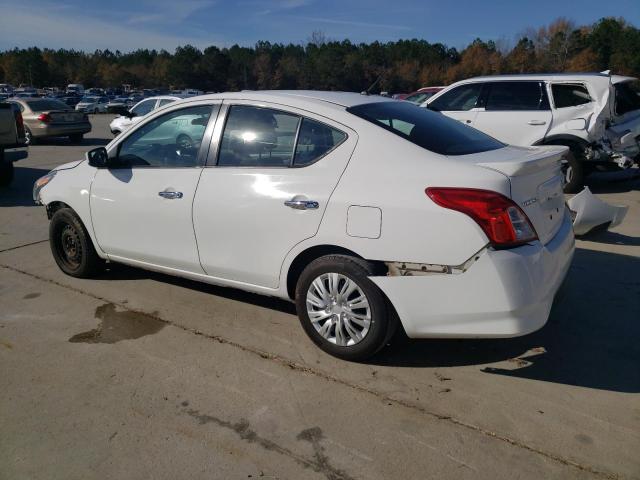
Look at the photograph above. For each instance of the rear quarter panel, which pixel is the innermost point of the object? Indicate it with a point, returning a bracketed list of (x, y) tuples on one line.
[(391, 174)]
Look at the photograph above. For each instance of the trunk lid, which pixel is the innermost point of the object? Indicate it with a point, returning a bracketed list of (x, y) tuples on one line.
[(65, 116), (536, 183)]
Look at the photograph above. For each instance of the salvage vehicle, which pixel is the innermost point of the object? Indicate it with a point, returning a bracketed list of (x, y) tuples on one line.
[(365, 211), (596, 115), (12, 135), (138, 111), (46, 118)]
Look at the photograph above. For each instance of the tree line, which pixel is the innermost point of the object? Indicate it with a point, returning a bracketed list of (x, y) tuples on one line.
[(325, 64)]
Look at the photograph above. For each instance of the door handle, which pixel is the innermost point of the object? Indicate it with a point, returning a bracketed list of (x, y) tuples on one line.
[(170, 194), (536, 122), (302, 204)]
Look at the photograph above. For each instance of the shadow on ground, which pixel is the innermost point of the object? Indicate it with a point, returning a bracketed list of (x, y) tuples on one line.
[(20, 192), (591, 339)]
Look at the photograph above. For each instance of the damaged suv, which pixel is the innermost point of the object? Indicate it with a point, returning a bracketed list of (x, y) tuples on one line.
[(596, 115)]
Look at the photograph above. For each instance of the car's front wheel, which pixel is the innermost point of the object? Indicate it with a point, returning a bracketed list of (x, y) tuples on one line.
[(341, 309), (71, 245)]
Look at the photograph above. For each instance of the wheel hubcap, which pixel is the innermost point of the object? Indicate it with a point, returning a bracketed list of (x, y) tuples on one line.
[(338, 309), (71, 248)]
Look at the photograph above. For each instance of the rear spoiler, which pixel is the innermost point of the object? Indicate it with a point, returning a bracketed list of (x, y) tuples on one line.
[(539, 159)]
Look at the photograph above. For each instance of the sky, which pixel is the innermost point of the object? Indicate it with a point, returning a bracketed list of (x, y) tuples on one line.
[(165, 24)]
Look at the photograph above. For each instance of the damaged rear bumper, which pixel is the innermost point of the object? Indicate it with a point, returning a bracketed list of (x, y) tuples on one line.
[(505, 293)]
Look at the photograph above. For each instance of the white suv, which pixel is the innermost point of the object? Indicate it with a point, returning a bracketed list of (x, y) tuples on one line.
[(139, 111), (596, 115)]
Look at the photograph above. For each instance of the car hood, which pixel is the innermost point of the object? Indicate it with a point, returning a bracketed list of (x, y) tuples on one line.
[(68, 166)]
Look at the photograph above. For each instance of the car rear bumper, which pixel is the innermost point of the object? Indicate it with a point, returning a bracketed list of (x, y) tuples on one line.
[(60, 130), (505, 293)]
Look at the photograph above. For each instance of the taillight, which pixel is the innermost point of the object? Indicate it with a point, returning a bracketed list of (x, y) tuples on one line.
[(44, 117), (500, 218)]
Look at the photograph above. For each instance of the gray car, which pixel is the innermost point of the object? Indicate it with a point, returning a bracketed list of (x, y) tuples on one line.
[(46, 117)]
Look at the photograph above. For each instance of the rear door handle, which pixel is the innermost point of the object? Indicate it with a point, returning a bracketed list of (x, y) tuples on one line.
[(537, 122), (302, 204), (171, 195)]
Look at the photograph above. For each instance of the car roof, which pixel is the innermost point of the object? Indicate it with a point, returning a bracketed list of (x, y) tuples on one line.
[(551, 76), (300, 98)]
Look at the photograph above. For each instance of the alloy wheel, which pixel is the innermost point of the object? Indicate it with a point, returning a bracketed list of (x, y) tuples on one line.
[(338, 309)]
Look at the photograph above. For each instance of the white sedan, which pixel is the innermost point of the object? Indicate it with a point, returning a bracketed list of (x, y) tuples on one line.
[(364, 211), (139, 111), (93, 104)]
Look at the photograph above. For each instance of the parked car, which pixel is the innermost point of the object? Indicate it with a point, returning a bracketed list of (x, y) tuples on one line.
[(75, 89), (119, 105), (420, 96), (138, 112), (45, 118), (596, 115), (92, 104), (12, 135), (288, 194)]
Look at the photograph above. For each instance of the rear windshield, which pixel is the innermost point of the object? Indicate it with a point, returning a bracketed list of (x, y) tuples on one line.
[(43, 105), (627, 97), (427, 129)]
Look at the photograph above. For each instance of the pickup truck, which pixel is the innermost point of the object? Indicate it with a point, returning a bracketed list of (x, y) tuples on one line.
[(12, 135)]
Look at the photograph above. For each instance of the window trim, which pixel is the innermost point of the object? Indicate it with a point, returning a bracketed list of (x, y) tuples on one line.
[(543, 94), (205, 145), (578, 83), (221, 123)]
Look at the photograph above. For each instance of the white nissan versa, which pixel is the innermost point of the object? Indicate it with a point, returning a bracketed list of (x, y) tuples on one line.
[(362, 209)]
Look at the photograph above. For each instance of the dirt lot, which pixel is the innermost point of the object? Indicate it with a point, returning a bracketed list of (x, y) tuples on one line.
[(140, 375)]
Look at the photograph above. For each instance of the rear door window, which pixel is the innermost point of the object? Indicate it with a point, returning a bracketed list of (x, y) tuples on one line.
[(430, 130), (516, 96), (258, 137), (627, 97), (459, 99), (315, 140), (569, 95)]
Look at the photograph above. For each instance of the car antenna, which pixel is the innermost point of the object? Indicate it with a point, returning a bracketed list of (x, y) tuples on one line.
[(368, 90)]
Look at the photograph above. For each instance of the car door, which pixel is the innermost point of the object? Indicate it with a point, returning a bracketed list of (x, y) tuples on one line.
[(461, 103), (266, 185), (515, 112), (141, 207)]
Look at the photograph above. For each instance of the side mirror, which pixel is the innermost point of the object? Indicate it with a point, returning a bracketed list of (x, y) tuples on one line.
[(130, 114), (98, 157)]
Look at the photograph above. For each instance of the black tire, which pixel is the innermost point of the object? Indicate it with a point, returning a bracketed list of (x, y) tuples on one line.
[(574, 173), (6, 172), (356, 270), (72, 247), (76, 138)]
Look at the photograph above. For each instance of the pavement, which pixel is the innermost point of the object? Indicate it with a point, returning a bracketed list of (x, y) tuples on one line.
[(140, 375)]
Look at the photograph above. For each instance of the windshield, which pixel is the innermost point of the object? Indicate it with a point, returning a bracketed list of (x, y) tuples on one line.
[(430, 130), (90, 99), (43, 105), (627, 97)]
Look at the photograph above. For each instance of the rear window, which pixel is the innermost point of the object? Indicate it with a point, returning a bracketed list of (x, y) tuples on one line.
[(427, 129), (44, 105), (569, 95), (627, 97)]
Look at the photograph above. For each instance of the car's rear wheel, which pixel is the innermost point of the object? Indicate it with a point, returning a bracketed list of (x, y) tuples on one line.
[(28, 137), (341, 309), (76, 138), (71, 245), (573, 171)]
